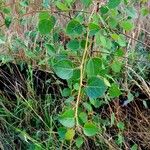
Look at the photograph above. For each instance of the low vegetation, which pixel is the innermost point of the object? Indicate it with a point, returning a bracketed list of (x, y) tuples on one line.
[(74, 74)]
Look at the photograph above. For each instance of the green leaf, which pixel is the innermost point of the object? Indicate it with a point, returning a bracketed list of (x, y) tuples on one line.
[(66, 92), (61, 132), (120, 139), (114, 90), (112, 22), (50, 50), (113, 3), (79, 141), (121, 40), (134, 147), (103, 41), (130, 97), (6, 10), (119, 52), (83, 43), (24, 3), (73, 45), (87, 106), (94, 28), (145, 11), (104, 10), (86, 3), (107, 82), (76, 86), (95, 87), (116, 66), (64, 69), (44, 15), (69, 2), (115, 36), (120, 125), (90, 129), (46, 3), (46, 25), (70, 134), (69, 100), (8, 21), (74, 28), (2, 42), (93, 67), (83, 116), (67, 118), (76, 75), (132, 12), (127, 25), (35, 147), (61, 6), (95, 102)]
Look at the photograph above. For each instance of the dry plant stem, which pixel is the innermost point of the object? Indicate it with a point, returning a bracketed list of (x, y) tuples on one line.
[(82, 73), (144, 85), (93, 37)]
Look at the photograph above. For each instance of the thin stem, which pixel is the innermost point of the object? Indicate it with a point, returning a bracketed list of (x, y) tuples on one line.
[(82, 74)]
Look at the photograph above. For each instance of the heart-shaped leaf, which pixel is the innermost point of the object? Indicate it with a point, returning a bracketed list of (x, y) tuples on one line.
[(93, 67), (46, 25), (74, 28), (127, 25), (90, 129), (67, 118), (64, 69), (69, 134), (95, 87), (113, 3)]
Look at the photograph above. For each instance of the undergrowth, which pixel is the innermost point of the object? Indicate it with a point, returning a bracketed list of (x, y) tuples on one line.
[(74, 75)]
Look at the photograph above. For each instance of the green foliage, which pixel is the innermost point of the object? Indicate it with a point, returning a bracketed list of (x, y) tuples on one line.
[(46, 23), (94, 28), (113, 3), (86, 3), (120, 139), (104, 9), (114, 90), (61, 6), (90, 129), (95, 87), (67, 118), (116, 66), (88, 54), (70, 134), (132, 12), (61, 132), (73, 45), (134, 147), (83, 116), (66, 92), (93, 67), (74, 28), (127, 25), (50, 50), (79, 142), (64, 69), (145, 11), (120, 125), (8, 21)]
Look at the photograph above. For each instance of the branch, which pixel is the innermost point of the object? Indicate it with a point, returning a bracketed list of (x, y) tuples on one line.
[(93, 37), (135, 40)]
